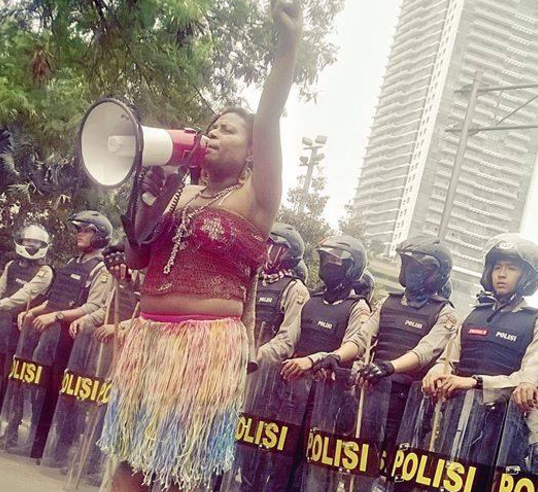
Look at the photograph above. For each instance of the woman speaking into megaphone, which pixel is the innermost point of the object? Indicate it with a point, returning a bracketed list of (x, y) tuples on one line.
[(180, 379)]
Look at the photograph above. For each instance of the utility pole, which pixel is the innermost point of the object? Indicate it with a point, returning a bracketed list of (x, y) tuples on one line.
[(467, 130), (460, 156), (310, 162)]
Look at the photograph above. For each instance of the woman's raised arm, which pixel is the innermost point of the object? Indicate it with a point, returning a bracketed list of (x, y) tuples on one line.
[(267, 154)]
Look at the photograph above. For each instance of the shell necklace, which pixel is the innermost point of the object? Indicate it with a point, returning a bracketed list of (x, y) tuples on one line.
[(184, 230)]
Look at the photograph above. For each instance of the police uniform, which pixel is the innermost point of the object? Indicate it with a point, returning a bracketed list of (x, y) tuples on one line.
[(400, 328), (278, 312), (21, 281), (324, 327), (503, 351), (83, 283)]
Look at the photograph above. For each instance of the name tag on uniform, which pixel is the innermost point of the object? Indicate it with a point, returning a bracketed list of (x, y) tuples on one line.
[(482, 332), (75, 276)]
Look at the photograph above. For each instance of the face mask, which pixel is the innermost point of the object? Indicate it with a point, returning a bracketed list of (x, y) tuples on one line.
[(332, 275)]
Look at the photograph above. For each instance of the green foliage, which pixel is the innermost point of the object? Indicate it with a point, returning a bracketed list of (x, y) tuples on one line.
[(311, 224), (177, 62)]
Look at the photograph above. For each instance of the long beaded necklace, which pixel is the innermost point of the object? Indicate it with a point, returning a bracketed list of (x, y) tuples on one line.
[(184, 228)]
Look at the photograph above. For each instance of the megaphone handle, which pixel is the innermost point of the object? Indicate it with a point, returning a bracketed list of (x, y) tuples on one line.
[(148, 198)]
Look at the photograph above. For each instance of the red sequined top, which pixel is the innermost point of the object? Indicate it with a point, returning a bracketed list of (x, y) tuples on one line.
[(220, 255)]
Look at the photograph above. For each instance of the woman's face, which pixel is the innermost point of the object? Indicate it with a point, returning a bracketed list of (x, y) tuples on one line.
[(228, 145)]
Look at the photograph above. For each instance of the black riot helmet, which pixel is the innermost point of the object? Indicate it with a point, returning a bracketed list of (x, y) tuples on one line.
[(351, 255), (516, 247), (446, 290), (98, 222), (364, 287), (301, 270), (286, 247), (430, 254)]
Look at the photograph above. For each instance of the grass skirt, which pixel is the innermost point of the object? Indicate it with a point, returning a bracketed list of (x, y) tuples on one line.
[(177, 392)]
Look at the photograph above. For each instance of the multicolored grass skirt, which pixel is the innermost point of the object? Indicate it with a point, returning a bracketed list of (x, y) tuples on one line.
[(177, 393)]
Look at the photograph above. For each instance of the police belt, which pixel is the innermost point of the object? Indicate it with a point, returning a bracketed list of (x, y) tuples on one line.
[(29, 372), (85, 387), (269, 435), (343, 454), (432, 471)]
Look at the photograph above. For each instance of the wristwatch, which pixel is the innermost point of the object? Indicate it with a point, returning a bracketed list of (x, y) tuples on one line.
[(59, 316), (479, 382)]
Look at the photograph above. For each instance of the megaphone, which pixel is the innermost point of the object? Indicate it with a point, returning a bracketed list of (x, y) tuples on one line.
[(113, 143)]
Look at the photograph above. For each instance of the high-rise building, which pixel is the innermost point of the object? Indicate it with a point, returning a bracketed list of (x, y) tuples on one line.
[(438, 48)]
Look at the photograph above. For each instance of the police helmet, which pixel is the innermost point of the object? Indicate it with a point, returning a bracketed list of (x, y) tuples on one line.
[(446, 290), (301, 270), (287, 235), (364, 287), (516, 247), (32, 242), (429, 252), (98, 222), (348, 249)]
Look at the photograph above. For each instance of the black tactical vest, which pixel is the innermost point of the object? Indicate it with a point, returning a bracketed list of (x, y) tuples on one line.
[(269, 313), (401, 328), (496, 347), (323, 325), (19, 273), (71, 284)]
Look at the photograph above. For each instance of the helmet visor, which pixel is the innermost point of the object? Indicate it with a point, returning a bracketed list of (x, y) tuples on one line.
[(275, 255), (335, 256)]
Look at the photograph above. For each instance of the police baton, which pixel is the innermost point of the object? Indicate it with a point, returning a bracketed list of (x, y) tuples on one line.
[(440, 401)]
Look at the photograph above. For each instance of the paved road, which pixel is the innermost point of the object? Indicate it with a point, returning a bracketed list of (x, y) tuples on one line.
[(23, 475)]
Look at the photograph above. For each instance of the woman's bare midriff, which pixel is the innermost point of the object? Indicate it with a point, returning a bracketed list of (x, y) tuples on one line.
[(180, 305)]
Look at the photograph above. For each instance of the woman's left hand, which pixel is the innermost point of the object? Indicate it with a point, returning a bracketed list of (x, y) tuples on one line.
[(288, 18), (295, 368)]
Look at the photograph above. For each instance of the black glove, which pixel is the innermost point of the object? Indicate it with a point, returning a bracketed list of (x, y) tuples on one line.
[(114, 255), (374, 372), (330, 363)]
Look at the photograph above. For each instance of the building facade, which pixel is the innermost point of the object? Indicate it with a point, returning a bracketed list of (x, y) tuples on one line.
[(438, 48)]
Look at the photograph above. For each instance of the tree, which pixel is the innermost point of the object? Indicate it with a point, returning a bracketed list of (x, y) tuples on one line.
[(311, 224), (176, 62)]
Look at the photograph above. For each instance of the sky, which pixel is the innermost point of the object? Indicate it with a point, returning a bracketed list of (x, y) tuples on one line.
[(347, 95)]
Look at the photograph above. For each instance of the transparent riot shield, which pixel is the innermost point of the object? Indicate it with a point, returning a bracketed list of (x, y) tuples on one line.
[(448, 445), (268, 433), (7, 335), (517, 460), (22, 419), (80, 409), (345, 438)]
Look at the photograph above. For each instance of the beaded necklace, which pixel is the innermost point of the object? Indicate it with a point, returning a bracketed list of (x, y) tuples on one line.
[(184, 228)]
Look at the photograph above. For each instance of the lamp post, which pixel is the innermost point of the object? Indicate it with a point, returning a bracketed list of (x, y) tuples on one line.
[(310, 162)]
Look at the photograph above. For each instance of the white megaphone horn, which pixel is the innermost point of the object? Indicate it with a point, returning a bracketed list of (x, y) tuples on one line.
[(113, 143)]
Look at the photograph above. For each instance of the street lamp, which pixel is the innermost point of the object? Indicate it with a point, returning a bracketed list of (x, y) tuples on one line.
[(310, 161)]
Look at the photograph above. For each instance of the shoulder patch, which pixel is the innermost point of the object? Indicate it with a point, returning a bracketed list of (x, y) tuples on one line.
[(450, 322), (300, 299)]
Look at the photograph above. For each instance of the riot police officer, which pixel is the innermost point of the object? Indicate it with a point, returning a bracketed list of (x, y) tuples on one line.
[(412, 327), (329, 320), (23, 283), (497, 344), (28, 276), (280, 295), (80, 288)]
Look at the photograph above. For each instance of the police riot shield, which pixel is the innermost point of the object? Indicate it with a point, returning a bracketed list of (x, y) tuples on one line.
[(268, 432), (448, 445), (29, 381), (8, 334), (80, 409), (517, 460), (343, 451), (81, 406)]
